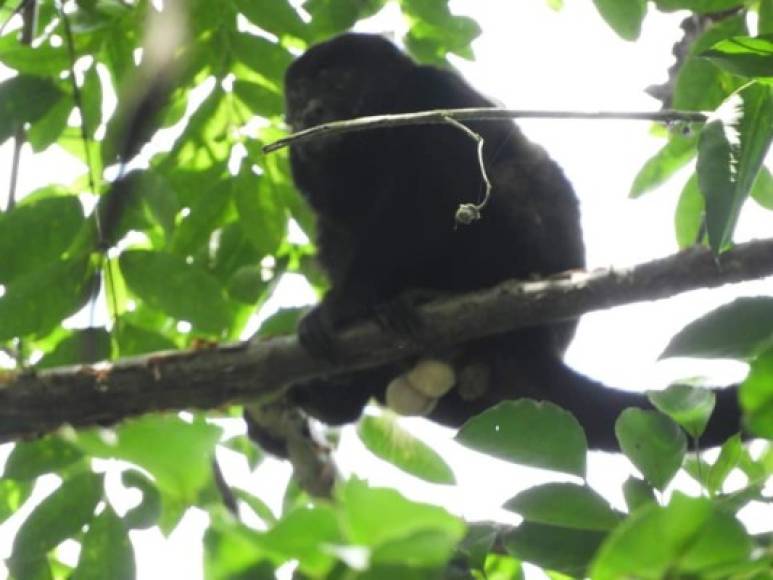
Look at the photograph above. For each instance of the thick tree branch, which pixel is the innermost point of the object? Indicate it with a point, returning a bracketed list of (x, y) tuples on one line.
[(35, 403), (441, 116)]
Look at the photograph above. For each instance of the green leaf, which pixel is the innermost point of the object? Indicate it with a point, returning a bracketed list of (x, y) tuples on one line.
[(624, 16), (261, 213), (247, 285), (106, 551), (756, 133), (674, 155), (384, 437), (738, 330), (59, 516), (564, 549), (680, 540), (689, 406), (48, 128), (30, 459), (85, 346), (653, 442), (689, 215), (744, 55), (281, 323), (762, 190), (25, 99), (43, 60), (169, 283), (756, 395), (13, 494), (538, 434), (477, 544), (699, 6), (263, 56), (37, 233), (205, 215), (565, 505), (306, 535), (232, 552), (729, 456), (276, 16), (701, 85), (716, 183), (637, 493), (374, 517), (180, 467), (146, 513), (257, 505), (259, 99), (36, 302), (133, 340), (329, 17), (91, 99)]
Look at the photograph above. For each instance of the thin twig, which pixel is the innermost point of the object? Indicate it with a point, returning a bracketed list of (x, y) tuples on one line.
[(441, 116), (467, 213), (29, 8)]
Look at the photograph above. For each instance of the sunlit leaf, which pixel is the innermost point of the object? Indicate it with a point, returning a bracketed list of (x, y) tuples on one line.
[(106, 551), (674, 155), (384, 437), (689, 215), (30, 459), (728, 459), (744, 55), (689, 406), (756, 395), (637, 493)]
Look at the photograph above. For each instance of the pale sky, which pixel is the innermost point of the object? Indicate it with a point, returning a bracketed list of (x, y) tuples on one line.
[(528, 57)]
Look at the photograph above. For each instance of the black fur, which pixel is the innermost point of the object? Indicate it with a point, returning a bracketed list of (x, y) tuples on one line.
[(385, 201)]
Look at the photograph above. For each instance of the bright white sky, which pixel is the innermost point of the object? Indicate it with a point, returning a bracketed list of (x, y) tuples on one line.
[(528, 57)]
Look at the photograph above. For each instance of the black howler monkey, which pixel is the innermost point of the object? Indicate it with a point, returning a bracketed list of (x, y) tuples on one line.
[(385, 201)]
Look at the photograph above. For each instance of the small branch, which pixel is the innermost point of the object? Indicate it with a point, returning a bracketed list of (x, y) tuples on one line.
[(442, 116), (33, 403), (467, 213)]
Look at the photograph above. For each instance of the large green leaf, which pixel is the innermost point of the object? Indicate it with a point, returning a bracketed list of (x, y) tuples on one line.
[(728, 459), (387, 440), (700, 6), (263, 56), (687, 537), (275, 16), (13, 494), (30, 459), (91, 101), (43, 60), (204, 216), (47, 129), (181, 466), (106, 551), (690, 214), (182, 290), (329, 17), (701, 85), (37, 301), (738, 330), (638, 493), (24, 99), (566, 505), (58, 517), (756, 395), (674, 155), (88, 345), (35, 234), (259, 99), (261, 213), (744, 55), (390, 525), (715, 180), (624, 16), (566, 550), (232, 551), (653, 442), (538, 434)]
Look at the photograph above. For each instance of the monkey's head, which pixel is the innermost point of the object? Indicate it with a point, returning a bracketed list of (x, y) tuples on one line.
[(352, 75)]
